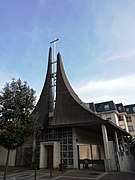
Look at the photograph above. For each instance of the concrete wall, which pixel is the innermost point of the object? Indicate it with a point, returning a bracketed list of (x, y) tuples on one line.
[(3, 156), (56, 154), (126, 161), (112, 116), (85, 136), (43, 156), (112, 156)]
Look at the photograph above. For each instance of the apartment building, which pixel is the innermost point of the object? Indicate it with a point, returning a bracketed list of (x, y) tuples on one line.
[(122, 116), (130, 116)]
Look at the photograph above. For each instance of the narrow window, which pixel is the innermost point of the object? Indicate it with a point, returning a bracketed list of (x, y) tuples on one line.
[(106, 107), (129, 119), (119, 108), (133, 109), (130, 128)]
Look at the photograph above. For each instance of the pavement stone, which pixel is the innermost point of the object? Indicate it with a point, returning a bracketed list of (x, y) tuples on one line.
[(119, 176), (68, 174)]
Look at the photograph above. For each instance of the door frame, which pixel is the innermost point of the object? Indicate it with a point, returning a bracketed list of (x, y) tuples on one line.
[(49, 156), (43, 154)]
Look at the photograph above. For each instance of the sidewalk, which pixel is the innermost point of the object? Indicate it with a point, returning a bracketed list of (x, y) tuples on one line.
[(119, 176), (84, 174)]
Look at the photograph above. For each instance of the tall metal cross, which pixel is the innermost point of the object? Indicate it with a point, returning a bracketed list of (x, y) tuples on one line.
[(54, 47), (54, 70)]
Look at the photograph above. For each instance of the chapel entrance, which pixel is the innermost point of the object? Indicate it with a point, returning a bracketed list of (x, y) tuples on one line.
[(49, 156)]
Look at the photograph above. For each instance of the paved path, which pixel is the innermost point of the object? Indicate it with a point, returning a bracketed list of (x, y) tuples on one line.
[(28, 174), (119, 176)]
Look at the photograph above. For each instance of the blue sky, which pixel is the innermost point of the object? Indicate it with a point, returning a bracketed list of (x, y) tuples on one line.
[(97, 43)]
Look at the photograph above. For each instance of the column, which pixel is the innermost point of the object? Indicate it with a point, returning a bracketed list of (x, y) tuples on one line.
[(116, 140), (123, 143), (106, 149), (117, 150), (125, 121)]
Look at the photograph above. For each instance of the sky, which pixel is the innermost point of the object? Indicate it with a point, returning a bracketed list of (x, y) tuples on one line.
[(96, 41)]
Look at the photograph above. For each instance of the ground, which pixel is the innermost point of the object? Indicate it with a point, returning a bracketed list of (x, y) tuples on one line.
[(85, 174)]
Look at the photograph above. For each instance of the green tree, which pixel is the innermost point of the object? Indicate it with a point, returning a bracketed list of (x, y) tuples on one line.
[(131, 143), (17, 101)]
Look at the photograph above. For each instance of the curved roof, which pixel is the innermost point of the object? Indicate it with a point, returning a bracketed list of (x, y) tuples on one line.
[(69, 109), (42, 107)]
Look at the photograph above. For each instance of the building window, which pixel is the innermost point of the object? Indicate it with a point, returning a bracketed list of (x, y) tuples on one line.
[(106, 107), (129, 119), (108, 118), (134, 109), (130, 128), (120, 118), (127, 109), (119, 108), (99, 107)]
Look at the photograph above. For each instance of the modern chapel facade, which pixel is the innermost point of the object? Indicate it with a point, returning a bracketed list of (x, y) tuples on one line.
[(71, 133)]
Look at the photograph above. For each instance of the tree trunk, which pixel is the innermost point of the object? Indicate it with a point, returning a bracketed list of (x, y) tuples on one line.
[(34, 149), (6, 167)]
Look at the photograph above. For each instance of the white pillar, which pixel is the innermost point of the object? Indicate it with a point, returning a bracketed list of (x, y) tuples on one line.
[(116, 140), (125, 121), (75, 151), (106, 149), (117, 147), (43, 156), (123, 143)]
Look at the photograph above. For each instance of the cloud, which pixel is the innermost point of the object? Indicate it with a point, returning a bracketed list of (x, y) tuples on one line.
[(122, 56), (118, 89)]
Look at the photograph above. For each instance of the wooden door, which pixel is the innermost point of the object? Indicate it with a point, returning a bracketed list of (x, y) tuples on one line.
[(50, 156)]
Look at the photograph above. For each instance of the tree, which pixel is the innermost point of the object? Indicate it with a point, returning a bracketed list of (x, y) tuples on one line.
[(131, 143), (17, 101)]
